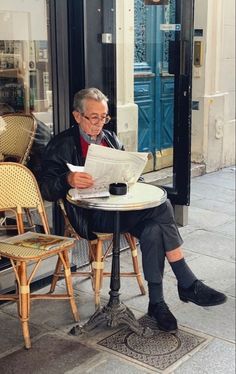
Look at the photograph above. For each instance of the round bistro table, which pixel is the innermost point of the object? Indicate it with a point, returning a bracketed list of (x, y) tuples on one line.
[(139, 196)]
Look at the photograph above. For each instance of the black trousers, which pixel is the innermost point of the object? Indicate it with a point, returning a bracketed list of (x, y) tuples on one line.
[(155, 228)]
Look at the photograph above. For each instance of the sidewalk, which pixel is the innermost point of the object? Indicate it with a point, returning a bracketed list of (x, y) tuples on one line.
[(205, 343)]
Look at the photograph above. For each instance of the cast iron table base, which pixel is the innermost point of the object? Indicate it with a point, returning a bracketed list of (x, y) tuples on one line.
[(114, 313)]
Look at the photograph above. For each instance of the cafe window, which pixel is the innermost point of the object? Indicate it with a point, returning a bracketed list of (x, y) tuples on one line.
[(25, 66)]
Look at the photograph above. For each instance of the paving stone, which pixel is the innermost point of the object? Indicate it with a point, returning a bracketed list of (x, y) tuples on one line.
[(205, 218), (227, 228), (214, 206), (225, 177), (218, 357), (186, 230), (211, 243), (109, 364), (11, 332), (212, 192), (50, 354), (218, 321), (230, 291)]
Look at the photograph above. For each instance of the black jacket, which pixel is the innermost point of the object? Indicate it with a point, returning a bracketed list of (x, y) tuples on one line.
[(63, 148)]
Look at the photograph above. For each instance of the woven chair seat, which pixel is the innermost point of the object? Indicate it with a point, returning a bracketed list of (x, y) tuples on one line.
[(19, 253)]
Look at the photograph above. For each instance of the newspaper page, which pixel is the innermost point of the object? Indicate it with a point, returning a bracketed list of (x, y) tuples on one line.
[(39, 241), (108, 165)]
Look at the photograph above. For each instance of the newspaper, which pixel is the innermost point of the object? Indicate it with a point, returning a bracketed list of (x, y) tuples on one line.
[(39, 241), (108, 165)]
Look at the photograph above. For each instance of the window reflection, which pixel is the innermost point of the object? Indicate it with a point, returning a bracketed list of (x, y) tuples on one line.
[(25, 73)]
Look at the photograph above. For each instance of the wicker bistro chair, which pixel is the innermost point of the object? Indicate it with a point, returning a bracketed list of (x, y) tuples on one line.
[(19, 190), (17, 133), (97, 259)]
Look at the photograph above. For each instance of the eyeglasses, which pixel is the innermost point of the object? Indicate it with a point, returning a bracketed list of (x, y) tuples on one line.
[(94, 120)]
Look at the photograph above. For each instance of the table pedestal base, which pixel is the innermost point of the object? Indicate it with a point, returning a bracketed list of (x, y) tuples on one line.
[(114, 315), (115, 312)]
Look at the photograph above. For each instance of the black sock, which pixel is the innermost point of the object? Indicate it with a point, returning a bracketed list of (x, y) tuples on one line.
[(155, 292), (183, 273)]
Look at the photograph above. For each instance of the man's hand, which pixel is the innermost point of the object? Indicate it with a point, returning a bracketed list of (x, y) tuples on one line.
[(79, 180)]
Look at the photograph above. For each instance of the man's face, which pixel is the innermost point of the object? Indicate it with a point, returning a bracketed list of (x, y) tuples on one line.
[(94, 116)]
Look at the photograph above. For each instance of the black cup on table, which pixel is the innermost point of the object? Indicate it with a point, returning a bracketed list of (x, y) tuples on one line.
[(118, 188)]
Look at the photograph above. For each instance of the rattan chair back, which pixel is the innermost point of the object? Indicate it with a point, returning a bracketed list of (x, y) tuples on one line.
[(17, 132), (18, 191)]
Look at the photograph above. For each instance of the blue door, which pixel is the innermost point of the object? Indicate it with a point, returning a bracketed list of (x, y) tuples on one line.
[(153, 82)]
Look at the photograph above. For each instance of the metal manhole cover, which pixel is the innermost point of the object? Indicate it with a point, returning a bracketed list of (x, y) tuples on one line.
[(159, 351)]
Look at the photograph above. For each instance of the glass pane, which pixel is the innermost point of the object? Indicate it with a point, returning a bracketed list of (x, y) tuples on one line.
[(25, 71), (154, 82)]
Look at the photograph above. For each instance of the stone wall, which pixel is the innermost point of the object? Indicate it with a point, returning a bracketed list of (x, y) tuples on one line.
[(213, 124), (127, 110)]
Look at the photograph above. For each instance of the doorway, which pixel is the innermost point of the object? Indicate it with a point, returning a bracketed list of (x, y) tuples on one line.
[(155, 29), (162, 88)]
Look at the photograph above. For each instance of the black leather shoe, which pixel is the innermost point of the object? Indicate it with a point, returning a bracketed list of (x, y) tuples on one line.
[(201, 294), (162, 314)]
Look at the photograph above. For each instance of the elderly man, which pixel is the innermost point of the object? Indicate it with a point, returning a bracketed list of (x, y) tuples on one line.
[(155, 228)]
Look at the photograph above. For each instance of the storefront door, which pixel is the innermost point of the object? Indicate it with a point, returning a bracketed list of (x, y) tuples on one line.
[(153, 83), (162, 88)]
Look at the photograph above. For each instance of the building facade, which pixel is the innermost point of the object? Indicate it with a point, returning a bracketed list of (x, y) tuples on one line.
[(169, 76), (26, 70), (213, 121), (213, 82)]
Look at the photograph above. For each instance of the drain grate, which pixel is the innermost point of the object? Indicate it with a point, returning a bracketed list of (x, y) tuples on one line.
[(160, 351)]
